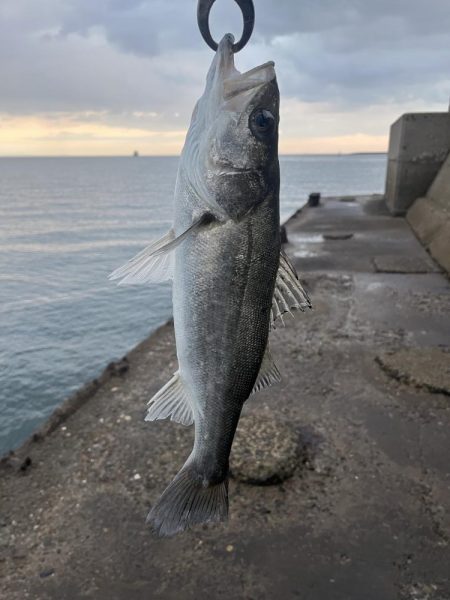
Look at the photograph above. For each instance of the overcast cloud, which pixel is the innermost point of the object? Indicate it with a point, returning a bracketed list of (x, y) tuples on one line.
[(344, 66)]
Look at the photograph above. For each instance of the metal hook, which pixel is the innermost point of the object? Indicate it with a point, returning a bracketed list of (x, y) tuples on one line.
[(248, 14)]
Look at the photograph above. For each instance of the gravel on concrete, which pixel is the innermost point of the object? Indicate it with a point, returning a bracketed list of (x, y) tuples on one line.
[(265, 450), (365, 515)]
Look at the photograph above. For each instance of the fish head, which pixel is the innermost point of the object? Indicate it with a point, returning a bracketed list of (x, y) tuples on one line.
[(232, 143)]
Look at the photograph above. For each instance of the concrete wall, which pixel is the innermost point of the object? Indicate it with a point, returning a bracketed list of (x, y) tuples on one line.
[(418, 146), (429, 217)]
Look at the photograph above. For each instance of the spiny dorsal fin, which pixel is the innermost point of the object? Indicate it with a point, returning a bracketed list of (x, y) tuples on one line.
[(171, 401), (268, 373), (289, 294)]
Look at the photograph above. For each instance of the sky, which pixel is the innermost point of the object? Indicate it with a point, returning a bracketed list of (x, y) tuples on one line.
[(107, 77)]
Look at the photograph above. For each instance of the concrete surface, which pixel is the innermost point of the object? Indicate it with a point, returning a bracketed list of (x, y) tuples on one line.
[(365, 515), (418, 145), (404, 264), (430, 217), (423, 367)]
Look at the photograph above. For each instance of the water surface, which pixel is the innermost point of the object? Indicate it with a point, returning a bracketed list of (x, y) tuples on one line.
[(65, 223)]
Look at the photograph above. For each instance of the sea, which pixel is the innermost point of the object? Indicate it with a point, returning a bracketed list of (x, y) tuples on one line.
[(65, 224)]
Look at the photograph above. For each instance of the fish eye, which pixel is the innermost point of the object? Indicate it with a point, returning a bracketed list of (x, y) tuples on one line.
[(261, 122)]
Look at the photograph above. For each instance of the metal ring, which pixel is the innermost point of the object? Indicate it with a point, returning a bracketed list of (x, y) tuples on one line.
[(248, 14)]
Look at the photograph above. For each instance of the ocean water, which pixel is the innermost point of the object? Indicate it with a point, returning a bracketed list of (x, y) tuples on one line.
[(65, 223)]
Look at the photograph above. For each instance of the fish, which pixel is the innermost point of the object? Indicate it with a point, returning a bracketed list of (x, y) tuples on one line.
[(232, 282)]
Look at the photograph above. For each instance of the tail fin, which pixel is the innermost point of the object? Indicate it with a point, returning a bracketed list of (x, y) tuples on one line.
[(188, 501)]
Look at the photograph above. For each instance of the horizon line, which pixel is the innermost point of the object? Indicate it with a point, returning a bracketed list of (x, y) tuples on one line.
[(287, 154)]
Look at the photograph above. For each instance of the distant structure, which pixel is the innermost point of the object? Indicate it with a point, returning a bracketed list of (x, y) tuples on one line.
[(135, 154)]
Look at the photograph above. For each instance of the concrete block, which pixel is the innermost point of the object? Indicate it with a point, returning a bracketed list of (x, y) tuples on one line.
[(418, 145), (439, 191), (425, 219), (429, 217), (440, 246)]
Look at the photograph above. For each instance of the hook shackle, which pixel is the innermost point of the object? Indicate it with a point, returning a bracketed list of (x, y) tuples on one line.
[(248, 15)]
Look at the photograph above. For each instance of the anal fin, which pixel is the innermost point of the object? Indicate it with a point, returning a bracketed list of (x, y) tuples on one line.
[(268, 373), (171, 401)]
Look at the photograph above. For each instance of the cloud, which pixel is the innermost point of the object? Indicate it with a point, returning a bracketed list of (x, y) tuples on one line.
[(115, 59)]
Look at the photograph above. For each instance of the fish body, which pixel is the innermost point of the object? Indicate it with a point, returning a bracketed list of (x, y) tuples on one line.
[(222, 297), (229, 283)]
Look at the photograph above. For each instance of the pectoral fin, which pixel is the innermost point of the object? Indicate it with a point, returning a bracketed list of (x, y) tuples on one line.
[(149, 266), (155, 263), (289, 293), (171, 401)]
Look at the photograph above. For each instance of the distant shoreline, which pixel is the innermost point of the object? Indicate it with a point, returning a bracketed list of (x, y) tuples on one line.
[(130, 156)]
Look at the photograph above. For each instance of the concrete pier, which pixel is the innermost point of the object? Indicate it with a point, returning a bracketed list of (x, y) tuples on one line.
[(363, 515)]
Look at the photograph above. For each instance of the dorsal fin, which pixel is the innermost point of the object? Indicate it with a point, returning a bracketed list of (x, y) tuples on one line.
[(289, 293)]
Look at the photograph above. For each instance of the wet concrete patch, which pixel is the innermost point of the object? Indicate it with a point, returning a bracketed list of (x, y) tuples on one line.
[(389, 263), (423, 367), (407, 308), (307, 245), (376, 206)]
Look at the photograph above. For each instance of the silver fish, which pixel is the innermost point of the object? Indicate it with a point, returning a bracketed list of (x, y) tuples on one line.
[(230, 280)]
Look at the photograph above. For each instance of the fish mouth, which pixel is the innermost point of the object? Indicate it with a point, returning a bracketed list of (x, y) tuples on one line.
[(237, 171), (240, 83), (228, 169)]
